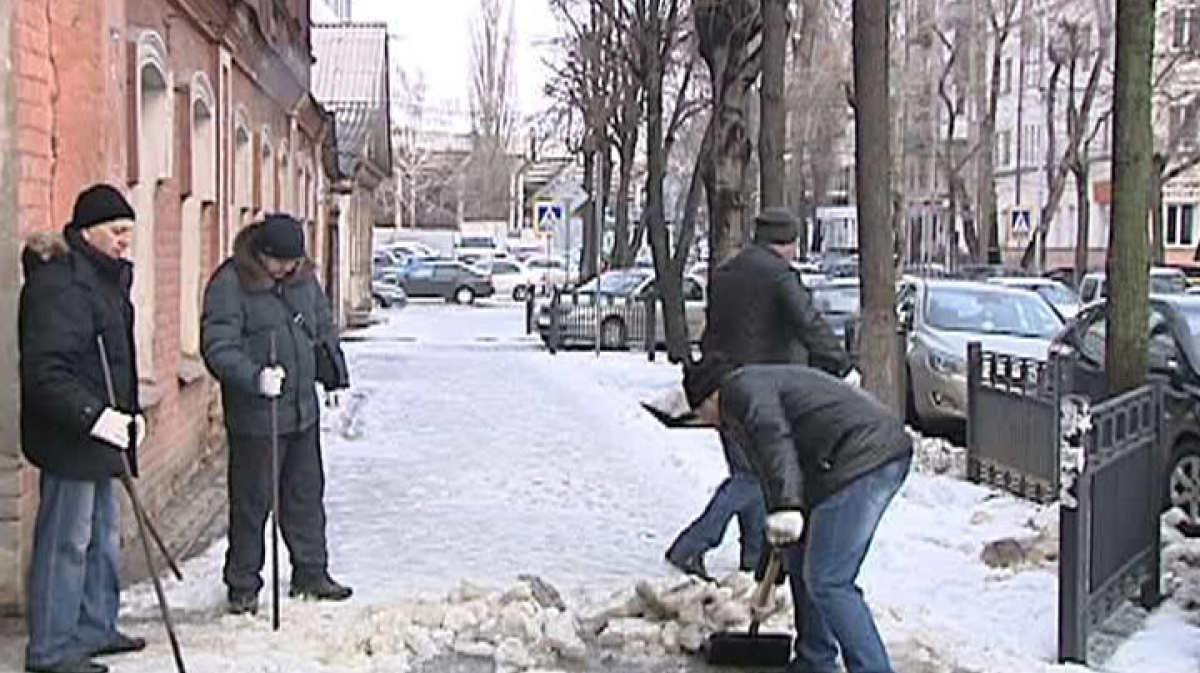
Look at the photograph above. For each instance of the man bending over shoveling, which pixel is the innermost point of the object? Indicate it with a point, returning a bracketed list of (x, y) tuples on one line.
[(829, 455)]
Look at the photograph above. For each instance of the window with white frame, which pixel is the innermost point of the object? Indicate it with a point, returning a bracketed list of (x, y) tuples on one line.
[(1006, 76), (1004, 148), (1185, 29), (1180, 225), (193, 235)]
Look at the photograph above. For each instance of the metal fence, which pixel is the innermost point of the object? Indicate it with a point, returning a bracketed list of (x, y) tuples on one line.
[(587, 320), (1110, 543), (1013, 424)]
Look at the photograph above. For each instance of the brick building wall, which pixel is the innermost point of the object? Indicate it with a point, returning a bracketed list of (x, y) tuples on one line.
[(143, 94)]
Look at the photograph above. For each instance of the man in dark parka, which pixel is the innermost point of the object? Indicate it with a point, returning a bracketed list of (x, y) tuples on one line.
[(268, 291), (77, 289)]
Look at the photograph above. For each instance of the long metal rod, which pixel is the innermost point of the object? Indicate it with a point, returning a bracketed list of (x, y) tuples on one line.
[(139, 514), (275, 619)]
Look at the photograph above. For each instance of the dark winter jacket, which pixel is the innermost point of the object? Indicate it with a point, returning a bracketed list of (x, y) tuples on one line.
[(243, 307), (72, 294), (806, 433), (759, 312)]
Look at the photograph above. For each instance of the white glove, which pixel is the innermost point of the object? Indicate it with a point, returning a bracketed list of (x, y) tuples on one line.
[(785, 527), (270, 381), (112, 427), (333, 399), (853, 378)]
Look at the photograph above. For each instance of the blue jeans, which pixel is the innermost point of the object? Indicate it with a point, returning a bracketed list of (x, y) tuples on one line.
[(739, 495), (831, 613), (74, 592)]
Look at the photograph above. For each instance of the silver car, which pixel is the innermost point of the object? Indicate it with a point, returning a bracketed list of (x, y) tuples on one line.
[(1061, 297), (943, 316)]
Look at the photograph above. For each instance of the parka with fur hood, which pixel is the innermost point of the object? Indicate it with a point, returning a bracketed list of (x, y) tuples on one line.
[(73, 293), (243, 307)]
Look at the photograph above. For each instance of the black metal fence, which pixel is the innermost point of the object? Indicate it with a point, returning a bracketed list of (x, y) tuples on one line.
[(1028, 434), (587, 320), (1110, 544), (1013, 424)]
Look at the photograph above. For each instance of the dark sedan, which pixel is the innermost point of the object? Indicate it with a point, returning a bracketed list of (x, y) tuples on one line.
[(452, 281), (838, 301), (1174, 359)]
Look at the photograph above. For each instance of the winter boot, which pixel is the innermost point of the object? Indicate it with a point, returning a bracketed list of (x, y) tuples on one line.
[(243, 603), (122, 644), (321, 588), (74, 666), (693, 566)]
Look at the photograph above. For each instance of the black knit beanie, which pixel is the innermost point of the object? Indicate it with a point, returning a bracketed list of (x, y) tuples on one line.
[(776, 226), (280, 236), (702, 379), (100, 204)]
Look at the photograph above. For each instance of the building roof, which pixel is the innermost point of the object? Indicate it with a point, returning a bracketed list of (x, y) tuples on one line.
[(351, 61)]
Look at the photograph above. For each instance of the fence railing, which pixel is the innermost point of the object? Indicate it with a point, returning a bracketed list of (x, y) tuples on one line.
[(1110, 544), (1013, 423)]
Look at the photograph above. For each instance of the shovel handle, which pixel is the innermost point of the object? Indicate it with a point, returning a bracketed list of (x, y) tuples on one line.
[(766, 588)]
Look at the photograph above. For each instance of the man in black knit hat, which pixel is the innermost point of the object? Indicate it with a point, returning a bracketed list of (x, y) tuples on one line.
[(77, 289), (758, 313), (268, 289)]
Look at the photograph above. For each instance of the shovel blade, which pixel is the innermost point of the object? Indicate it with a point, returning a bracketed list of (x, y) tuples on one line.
[(766, 650)]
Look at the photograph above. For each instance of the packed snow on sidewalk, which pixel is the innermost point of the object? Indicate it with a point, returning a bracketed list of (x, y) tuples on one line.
[(960, 578)]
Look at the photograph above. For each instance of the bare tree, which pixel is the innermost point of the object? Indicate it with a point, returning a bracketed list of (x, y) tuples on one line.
[(1176, 151), (1133, 149), (873, 172), (772, 130), (727, 32), (1001, 21), (493, 110), (954, 157)]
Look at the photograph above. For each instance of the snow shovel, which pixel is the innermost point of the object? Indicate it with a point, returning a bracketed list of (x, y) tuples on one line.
[(767, 650), (139, 514), (275, 467)]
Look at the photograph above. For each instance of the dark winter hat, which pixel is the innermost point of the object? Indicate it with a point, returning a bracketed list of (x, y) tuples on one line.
[(281, 236), (100, 204), (776, 226), (702, 379)]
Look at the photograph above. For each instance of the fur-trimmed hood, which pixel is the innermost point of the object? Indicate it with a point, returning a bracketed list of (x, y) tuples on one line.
[(42, 248), (249, 267)]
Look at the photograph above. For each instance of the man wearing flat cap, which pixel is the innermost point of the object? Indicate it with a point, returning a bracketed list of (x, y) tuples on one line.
[(830, 458), (77, 289), (759, 312), (267, 291)]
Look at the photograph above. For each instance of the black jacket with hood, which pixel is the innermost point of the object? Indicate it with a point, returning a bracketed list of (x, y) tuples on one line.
[(72, 294), (807, 434), (759, 312), (243, 307)]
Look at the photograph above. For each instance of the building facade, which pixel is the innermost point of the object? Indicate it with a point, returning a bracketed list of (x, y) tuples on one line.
[(201, 111)]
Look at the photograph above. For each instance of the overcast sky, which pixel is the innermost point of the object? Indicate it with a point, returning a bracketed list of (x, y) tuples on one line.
[(434, 36)]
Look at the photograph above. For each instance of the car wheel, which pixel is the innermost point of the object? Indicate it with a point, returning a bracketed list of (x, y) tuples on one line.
[(464, 295), (519, 293), (612, 334), (1183, 484), (379, 302)]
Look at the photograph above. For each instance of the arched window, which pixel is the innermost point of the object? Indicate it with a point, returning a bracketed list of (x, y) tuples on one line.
[(197, 211), (154, 141), (243, 170)]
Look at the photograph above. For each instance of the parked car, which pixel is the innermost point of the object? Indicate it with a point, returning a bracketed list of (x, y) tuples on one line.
[(943, 316), (1059, 296), (548, 272), (1173, 359), (510, 278), (838, 300), (1163, 280), (621, 300), (387, 291), (450, 280)]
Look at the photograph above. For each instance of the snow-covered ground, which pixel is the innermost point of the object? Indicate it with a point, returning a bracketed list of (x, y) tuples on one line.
[(469, 453)]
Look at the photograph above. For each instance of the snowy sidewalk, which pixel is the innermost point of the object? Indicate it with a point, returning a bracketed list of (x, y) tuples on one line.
[(470, 453)]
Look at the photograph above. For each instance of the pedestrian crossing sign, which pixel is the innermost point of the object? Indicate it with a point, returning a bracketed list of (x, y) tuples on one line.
[(1022, 220), (549, 216)]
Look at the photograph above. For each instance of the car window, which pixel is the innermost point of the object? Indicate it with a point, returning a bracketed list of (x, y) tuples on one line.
[(836, 299), (1162, 346), (1168, 283), (1056, 293), (1088, 290), (505, 267), (446, 271), (972, 310), (1091, 342), (424, 272)]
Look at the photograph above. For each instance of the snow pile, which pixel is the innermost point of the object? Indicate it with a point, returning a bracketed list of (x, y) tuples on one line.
[(1181, 566), (934, 455), (526, 625)]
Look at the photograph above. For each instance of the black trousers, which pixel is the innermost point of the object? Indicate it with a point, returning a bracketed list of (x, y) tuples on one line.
[(301, 504)]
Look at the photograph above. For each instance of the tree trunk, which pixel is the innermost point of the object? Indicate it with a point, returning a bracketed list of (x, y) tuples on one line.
[(1158, 248), (876, 238), (985, 220), (668, 281), (606, 174), (1133, 144), (772, 125), (587, 257), (623, 254), (1083, 221)]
